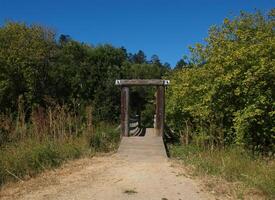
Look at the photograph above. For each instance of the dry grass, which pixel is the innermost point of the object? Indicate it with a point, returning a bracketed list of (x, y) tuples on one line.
[(48, 138), (57, 122), (232, 172)]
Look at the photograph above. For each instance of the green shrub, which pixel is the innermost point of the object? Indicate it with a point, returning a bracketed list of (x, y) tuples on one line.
[(105, 138), (227, 95)]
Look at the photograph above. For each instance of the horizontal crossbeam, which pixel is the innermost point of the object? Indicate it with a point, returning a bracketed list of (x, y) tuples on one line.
[(141, 82)]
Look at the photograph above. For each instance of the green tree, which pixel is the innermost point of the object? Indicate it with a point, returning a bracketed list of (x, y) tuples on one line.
[(180, 64), (42, 69), (26, 55), (229, 95), (138, 57)]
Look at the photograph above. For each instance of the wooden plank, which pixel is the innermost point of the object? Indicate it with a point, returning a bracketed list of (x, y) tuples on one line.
[(141, 82), (149, 147)]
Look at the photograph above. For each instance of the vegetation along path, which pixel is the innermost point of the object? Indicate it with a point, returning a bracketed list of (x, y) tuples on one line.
[(139, 170)]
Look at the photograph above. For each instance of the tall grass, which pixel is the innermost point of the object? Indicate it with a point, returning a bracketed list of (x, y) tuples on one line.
[(234, 164), (57, 123), (104, 138), (29, 157), (47, 138)]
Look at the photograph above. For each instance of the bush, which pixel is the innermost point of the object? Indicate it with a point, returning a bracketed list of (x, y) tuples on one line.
[(227, 94), (105, 138)]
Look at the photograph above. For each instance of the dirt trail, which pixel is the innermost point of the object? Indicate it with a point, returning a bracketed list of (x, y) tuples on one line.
[(108, 178), (114, 177)]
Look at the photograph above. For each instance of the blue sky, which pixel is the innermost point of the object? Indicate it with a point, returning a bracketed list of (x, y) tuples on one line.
[(164, 27)]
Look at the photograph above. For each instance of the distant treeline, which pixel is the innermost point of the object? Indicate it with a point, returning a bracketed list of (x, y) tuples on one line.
[(42, 70)]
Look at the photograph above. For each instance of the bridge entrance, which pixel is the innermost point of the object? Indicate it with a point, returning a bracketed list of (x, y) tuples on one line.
[(125, 99)]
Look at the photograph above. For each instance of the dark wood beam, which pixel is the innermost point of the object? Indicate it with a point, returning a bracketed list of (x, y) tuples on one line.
[(141, 82), (125, 111), (160, 108)]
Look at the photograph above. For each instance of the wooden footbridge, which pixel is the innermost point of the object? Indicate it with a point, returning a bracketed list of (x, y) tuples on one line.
[(138, 144), (147, 148)]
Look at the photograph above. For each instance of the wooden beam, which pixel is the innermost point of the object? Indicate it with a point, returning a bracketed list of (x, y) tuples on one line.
[(160, 107), (141, 82), (124, 111)]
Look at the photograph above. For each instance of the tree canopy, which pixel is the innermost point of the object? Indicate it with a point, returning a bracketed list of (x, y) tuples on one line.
[(228, 96), (39, 67)]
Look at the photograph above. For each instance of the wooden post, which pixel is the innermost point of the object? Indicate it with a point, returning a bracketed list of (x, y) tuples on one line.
[(124, 111), (125, 84), (160, 110)]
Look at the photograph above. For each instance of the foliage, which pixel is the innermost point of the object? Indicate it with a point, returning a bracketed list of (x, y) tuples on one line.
[(181, 64), (26, 55), (104, 138), (228, 94), (234, 164), (37, 67)]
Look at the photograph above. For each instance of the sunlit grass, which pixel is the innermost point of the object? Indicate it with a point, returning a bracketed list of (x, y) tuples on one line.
[(48, 139), (232, 164)]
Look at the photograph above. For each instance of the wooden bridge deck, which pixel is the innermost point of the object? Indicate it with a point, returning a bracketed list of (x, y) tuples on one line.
[(147, 148)]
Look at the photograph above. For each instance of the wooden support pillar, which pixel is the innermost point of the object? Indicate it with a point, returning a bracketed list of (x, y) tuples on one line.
[(124, 111), (160, 110)]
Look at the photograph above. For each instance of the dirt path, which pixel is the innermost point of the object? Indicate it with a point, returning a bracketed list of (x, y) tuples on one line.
[(106, 178), (140, 174)]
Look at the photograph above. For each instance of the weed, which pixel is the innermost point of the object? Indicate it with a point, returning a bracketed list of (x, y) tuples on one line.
[(105, 138)]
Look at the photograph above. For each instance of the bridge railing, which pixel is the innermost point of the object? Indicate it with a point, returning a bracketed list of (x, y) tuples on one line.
[(134, 126)]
